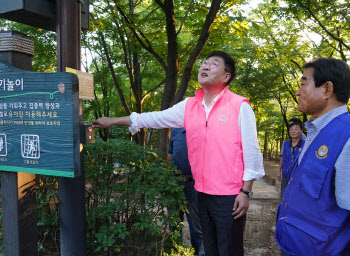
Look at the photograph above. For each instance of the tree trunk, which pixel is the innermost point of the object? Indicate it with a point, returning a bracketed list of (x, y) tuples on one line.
[(141, 137), (265, 144), (171, 66), (169, 97), (163, 139)]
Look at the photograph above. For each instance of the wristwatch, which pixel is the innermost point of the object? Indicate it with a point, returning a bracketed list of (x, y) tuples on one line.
[(249, 194)]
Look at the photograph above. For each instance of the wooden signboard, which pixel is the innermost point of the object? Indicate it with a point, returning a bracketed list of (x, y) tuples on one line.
[(39, 122), (86, 84)]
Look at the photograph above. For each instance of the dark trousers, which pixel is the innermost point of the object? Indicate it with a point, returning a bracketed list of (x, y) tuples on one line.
[(191, 195), (283, 253), (284, 183), (222, 234)]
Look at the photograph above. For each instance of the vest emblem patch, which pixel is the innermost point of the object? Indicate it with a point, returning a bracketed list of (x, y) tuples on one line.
[(223, 118), (322, 152)]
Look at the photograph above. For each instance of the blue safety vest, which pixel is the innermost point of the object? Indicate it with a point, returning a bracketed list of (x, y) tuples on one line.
[(288, 159), (309, 221)]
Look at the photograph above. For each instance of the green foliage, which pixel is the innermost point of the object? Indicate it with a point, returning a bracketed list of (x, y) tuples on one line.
[(126, 210), (127, 205), (44, 59), (47, 213), (180, 250)]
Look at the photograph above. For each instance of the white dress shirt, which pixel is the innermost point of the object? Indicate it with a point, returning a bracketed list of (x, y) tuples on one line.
[(174, 117)]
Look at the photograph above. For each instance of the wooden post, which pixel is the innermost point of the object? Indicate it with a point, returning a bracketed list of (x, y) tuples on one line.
[(71, 191), (18, 189)]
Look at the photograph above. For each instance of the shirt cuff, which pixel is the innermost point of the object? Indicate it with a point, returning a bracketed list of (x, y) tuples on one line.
[(253, 175), (133, 128)]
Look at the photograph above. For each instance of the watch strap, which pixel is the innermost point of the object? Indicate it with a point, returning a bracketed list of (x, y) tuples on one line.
[(249, 194)]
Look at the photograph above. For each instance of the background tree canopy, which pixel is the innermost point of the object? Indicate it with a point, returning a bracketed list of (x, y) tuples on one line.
[(145, 55)]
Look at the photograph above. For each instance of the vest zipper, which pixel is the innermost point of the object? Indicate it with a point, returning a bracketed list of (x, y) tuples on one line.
[(205, 151), (206, 132), (290, 180)]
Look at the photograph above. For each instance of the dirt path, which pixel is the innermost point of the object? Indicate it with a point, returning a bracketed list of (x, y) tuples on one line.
[(260, 229)]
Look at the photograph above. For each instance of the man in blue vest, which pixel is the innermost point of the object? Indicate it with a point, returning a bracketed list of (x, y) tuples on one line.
[(290, 152), (297, 120), (178, 154), (313, 218)]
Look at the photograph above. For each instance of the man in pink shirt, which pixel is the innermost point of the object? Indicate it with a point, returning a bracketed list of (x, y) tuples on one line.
[(223, 151)]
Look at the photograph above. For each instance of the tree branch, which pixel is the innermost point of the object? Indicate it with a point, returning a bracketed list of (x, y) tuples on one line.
[(203, 38), (322, 26), (115, 80), (147, 47), (153, 89), (184, 19), (297, 64)]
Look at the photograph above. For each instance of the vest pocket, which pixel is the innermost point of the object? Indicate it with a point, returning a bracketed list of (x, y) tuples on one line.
[(302, 236), (192, 142), (312, 178)]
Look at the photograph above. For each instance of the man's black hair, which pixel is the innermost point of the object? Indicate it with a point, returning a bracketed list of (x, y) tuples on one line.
[(335, 71), (295, 120), (230, 63)]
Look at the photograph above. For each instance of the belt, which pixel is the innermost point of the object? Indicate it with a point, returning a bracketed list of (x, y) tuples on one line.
[(189, 178)]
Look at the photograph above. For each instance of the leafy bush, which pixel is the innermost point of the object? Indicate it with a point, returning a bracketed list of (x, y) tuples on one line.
[(126, 203), (129, 189), (47, 213), (180, 250)]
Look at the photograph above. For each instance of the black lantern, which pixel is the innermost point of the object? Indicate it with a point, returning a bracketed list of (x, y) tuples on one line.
[(39, 13)]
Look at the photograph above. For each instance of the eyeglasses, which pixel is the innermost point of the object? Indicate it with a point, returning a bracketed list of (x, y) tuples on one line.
[(211, 64)]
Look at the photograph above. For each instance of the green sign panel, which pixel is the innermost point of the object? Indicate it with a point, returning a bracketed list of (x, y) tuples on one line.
[(39, 122)]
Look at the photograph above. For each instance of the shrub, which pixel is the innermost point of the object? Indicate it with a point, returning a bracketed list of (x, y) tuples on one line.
[(126, 203), (47, 213), (129, 189)]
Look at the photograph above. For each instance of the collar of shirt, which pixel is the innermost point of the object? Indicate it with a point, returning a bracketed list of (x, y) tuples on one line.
[(207, 109), (315, 126), (322, 121), (298, 145)]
